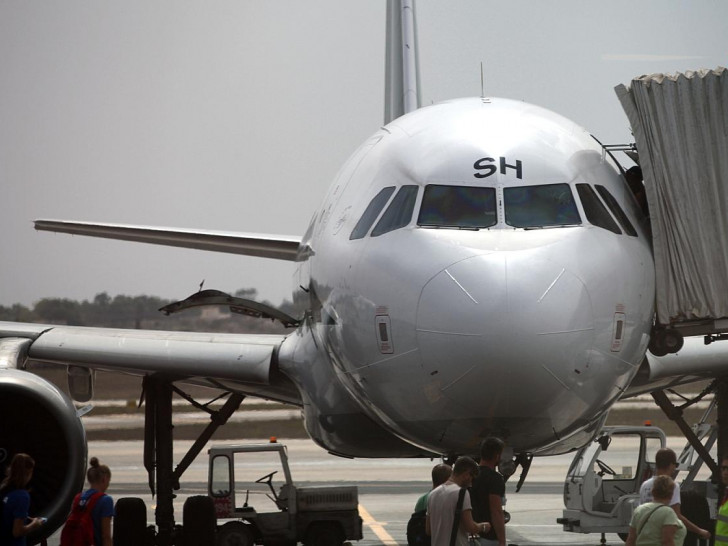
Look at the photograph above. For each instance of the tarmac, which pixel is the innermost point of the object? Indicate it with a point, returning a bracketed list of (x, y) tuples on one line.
[(388, 489)]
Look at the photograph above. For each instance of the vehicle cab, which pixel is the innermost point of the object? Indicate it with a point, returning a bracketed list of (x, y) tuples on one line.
[(603, 482), (257, 502)]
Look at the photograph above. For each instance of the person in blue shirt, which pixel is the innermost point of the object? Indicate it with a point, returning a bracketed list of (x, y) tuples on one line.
[(99, 477), (15, 522)]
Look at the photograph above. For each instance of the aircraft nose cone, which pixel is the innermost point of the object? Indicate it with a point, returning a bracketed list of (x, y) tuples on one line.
[(516, 323)]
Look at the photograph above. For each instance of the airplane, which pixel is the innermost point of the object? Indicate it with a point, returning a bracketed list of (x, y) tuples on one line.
[(478, 266)]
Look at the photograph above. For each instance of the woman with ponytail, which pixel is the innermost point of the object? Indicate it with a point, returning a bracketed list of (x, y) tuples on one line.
[(95, 501)]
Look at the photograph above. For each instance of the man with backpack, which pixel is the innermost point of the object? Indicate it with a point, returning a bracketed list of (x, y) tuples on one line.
[(416, 533)]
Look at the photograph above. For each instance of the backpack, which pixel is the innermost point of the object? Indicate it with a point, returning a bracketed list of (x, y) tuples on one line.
[(416, 535), (79, 527)]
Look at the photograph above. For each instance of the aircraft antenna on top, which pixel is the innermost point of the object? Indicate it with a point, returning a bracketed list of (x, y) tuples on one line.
[(482, 81)]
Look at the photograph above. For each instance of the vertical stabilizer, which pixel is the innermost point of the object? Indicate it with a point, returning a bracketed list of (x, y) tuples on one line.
[(402, 78)]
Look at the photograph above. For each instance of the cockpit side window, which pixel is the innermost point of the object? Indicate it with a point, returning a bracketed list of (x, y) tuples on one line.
[(595, 211), (373, 209), (540, 206), (466, 207), (619, 214), (399, 211)]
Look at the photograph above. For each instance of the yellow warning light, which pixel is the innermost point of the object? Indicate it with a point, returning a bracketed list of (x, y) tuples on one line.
[(273, 439)]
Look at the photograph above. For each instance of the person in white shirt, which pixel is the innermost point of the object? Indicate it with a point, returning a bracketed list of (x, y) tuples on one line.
[(442, 503), (666, 465)]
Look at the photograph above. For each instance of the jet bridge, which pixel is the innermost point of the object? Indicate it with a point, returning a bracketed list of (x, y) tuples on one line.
[(680, 124)]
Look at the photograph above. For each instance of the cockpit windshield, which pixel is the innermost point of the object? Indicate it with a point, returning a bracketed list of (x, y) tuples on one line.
[(540, 206), (464, 207)]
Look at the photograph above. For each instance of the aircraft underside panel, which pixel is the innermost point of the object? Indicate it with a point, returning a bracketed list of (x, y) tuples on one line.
[(680, 123)]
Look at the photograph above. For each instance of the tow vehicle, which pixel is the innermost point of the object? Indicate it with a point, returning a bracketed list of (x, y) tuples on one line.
[(602, 486), (257, 504)]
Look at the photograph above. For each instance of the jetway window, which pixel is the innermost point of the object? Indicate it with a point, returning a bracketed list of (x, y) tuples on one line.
[(540, 206), (595, 211), (373, 209), (619, 214), (458, 207), (399, 212)]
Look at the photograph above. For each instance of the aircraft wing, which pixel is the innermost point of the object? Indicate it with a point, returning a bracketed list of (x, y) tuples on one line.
[(694, 362), (279, 247), (241, 362)]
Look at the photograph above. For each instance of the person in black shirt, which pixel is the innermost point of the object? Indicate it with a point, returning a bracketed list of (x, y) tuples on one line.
[(488, 491)]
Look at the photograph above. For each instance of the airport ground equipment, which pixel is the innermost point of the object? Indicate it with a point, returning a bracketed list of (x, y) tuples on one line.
[(602, 485), (246, 479)]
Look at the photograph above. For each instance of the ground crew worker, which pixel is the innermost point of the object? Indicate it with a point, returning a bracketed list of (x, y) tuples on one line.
[(721, 525)]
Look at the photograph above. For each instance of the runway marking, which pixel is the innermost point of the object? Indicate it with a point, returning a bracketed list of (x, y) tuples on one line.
[(376, 527)]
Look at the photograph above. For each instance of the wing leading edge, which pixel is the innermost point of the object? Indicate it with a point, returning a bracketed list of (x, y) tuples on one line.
[(279, 247), (243, 362)]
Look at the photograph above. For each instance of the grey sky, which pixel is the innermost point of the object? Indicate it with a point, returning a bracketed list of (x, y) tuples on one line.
[(236, 115)]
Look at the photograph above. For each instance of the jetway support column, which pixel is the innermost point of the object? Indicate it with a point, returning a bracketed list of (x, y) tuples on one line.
[(675, 414), (722, 423)]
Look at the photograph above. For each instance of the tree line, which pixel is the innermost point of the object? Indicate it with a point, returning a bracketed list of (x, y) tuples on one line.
[(140, 312)]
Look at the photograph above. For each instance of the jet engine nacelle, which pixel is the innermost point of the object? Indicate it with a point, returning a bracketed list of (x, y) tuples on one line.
[(38, 419)]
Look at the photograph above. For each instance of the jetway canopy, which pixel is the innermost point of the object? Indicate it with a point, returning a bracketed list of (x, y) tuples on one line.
[(680, 124)]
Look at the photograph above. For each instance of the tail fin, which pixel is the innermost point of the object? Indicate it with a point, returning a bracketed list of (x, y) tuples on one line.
[(402, 79)]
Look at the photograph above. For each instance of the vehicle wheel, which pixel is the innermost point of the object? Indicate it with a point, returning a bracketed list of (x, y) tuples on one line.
[(694, 506), (130, 522), (657, 344), (673, 341), (198, 521), (234, 533), (324, 534)]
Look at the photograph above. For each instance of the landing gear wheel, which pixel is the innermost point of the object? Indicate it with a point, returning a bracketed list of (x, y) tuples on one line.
[(130, 522), (234, 533), (324, 534), (198, 521)]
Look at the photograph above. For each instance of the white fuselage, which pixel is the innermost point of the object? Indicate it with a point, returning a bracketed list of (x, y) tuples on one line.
[(484, 299)]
